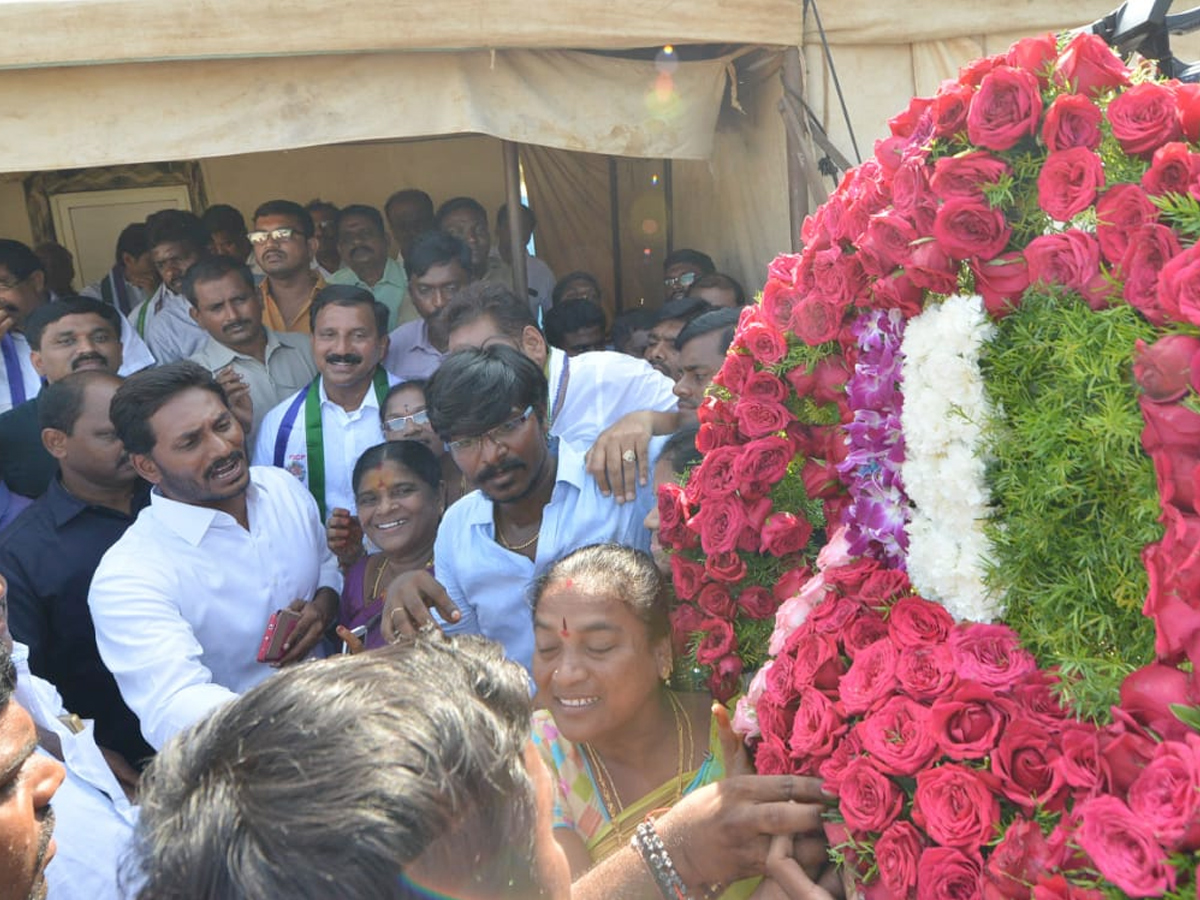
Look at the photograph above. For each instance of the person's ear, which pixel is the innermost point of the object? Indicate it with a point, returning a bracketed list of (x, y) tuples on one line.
[(533, 345), (194, 313), (38, 280), (55, 442), (35, 357), (313, 244), (145, 466), (663, 658)]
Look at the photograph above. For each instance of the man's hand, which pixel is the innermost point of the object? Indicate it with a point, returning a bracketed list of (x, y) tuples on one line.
[(315, 617), (620, 458), (409, 598), (6, 321), (344, 536), (237, 391)]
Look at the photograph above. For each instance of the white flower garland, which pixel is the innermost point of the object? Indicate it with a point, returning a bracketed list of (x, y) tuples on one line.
[(945, 412)]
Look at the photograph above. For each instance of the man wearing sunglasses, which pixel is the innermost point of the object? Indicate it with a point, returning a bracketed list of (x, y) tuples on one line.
[(681, 268), (284, 246)]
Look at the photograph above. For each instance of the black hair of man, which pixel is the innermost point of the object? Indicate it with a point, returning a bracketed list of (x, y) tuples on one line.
[(624, 325), (414, 196), (680, 449), (526, 214), (454, 204), (349, 295), (221, 217), (19, 259), (435, 248), (683, 308), (486, 298), (169, 226), (474, 390), (701, 261), (572, 316), (723, 282), (564, 282), (319, 205), (214, 268), (49, 313), (144, 393), (289, 208), (724, 320), (369, 213), (133, 240), (8, 675), (60, 403)]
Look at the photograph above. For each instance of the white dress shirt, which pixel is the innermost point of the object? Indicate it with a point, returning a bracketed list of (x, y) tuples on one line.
[(490, 584), (603, 386), (170, 331), (181, 601), (93, 819), (345, 435)]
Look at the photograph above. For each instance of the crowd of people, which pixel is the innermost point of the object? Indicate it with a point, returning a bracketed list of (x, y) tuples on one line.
[(249, 448)]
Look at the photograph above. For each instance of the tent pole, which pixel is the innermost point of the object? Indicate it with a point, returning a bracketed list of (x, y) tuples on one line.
[(512, 190), (792, 75), (614, 205)]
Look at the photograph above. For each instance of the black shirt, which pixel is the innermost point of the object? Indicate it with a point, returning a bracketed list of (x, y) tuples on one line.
[(25, 464), (48, 555)]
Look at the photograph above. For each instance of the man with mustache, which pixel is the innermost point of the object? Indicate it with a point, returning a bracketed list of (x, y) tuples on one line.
[(240, 348), (702, 345), (181, 602), (70, 335), (285, 246), (319, 432), (177, 239), (363, 248)]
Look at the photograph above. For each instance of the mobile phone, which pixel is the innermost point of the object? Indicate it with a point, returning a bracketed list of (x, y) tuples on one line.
[(279, 628), (360, 632)]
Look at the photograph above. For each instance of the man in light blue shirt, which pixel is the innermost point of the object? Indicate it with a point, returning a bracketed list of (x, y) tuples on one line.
[(363, 246)]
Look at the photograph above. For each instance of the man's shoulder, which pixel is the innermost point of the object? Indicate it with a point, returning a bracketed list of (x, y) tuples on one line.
[(212, 354), (470, 509), (610, 364), (344, 275), (294, 340), (29, 529), (274, 417), (19, 416)]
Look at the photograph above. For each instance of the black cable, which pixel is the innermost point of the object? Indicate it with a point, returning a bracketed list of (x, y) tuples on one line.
[(833, 72)]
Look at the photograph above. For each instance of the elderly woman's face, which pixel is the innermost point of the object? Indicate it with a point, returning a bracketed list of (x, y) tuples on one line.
[(399, 512), (596, 668)]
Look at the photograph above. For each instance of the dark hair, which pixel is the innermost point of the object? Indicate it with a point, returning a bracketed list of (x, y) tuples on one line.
[(288, 208), (359, 209), (418, 383), (526, 212), (680, 449), (455, 204), (621, 572), (348, 295), (410, 454), (176, 226), (561, 287), (223, 217), (133, 241), (627, 323), (701, 261), (214, 268), (724, 319), (417, 750), (49, 313), (486, 298), (313, 206), (435, 248), (571, 316), (685, 308), (411, 195), (473, 390), (8, 674), (723, 282), (60, 403), (144, 393), (19, 259)]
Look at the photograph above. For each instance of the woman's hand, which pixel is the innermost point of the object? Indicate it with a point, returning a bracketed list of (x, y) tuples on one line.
[(353, 644), (786, 878), (344, 536), (737, 759)]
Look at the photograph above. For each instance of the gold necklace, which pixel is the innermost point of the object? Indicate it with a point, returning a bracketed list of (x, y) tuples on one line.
[(379, 577), (507, 546)]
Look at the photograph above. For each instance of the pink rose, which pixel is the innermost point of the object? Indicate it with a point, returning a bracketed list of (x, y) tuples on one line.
[(756, 602), (1150, 247), (1121, 210), (758, 419), (949, 108), (1034, 54), (1068, 182), (966, 175), (885, 243), (1148, 694), (868, 799), (1072, 121), (1121, 847), (1144, 118), (763, 461), (1001, 282), (926, 671), (771, 758), (949, 874), (862, 632), (1083, 767), (990, 654), (955, 806), (1126, 749), (931, 267), (897, 735), (968, 723), (1166, 796), (896, 853), (1006, 109), (766, 345), (1179, 287), (737, 366), (1026, 764), (968, 227), (1067, 258), (914, 620), (817, 319), (718, 641), (673, 513), (1172, 169), (765, 386), (817, 663), (687, 575), (1088, 66), (1017, 862), (785, 534), (816, 730), (870, 678), (790, 615)]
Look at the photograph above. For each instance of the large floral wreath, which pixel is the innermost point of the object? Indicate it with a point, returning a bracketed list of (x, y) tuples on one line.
[(947, 504)]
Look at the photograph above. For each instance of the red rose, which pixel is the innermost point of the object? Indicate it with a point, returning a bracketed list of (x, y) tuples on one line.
[(837, 275), (914, 620), (949, 874), (1144, 118), (972, 73), (718, 641), (816, 663), (817, 319), (790, 582), (1034, 54), (925, 671), (967, 227), (911, 196), (764, 461), (862, 632), (832, 767), (1068, 182), (713, 435), (820, 479), (966, 175), (757, 418), (1174, 573), (714, 600), (1148, 694), (673, 513), (766, 387), (882, 585), (871, 677), (903, 123), (720, 522), (1072, 121), (1121, 847), (896, 853), (1088, 66), (686, 621), (1006, 109), (897, 735), (931, 267), (990, 654), (1127, 749), (1166, 796), (728, 568), (849, 577), (756, 602), (715, 476), (1083, 768), (765, 344), (955, 806), (687, 576), (833, 614), (867, 799), (967, 724), (785, 534), (1026, 764), (1188, 98), (771, 758), (1172, 169), (1056, 887), (1036, 697), (949, 108), (726, 678), (829, 379), (1179, 286), (1016, 862), (733, 371), (816, 730), (1121, 210), (1001, 282), (885, 243), (897, 292), (1150, 247), (778, 301), (1068, 258)]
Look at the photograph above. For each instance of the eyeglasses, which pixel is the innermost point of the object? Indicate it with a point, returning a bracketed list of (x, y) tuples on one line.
[(275, 234), (500, 435), (401, 423), (680, 281), (11, 284)]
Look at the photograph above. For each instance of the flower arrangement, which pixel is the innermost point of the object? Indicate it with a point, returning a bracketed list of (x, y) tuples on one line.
[(990, 347)]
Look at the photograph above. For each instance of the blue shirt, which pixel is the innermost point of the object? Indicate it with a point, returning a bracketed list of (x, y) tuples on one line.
[(490, 585), (48, 555)]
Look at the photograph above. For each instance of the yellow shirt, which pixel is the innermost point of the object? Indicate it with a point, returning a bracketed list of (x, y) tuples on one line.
[(273, 317)]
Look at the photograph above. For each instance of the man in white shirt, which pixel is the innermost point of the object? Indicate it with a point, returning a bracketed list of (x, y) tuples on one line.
[(181, 602), (177, 240), (319, 432), (22, 290), (538, 275), (438, 268)]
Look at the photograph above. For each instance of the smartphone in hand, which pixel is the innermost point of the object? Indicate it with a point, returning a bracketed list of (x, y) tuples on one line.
[(279, 628)]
